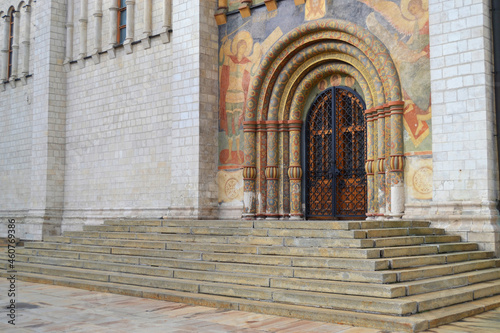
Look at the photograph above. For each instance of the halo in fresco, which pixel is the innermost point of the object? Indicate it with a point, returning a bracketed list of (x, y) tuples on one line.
[(405, 8), (242, 35)]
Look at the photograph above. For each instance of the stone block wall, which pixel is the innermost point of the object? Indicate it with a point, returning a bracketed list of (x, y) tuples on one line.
[(115, 131), (465, 181)]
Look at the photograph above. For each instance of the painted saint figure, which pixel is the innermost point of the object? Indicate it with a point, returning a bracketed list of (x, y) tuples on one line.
[(235, 67), (410, 51)]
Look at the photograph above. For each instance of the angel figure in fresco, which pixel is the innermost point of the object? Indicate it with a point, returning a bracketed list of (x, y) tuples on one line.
[(409, 48), (236, 65), (314, 9)]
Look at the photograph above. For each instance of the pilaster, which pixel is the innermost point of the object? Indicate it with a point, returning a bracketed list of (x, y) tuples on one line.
[(49, 119)]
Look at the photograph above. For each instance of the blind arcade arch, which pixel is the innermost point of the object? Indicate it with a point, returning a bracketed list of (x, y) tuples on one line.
[(275, 107)]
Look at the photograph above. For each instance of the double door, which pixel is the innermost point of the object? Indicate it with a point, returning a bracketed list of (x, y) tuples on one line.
[(335, 154)]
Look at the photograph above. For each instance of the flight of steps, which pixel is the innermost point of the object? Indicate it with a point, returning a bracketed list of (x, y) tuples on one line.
[(391, 275)]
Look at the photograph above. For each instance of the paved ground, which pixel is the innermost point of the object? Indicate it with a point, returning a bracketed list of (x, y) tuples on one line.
[(47, 308)]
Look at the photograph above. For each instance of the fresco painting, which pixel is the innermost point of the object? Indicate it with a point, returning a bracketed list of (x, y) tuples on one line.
[(409, 48), (314, 9), (401, 25), (418, 178)]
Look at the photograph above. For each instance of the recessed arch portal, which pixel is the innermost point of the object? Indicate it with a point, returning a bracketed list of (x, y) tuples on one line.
[(275, 107)]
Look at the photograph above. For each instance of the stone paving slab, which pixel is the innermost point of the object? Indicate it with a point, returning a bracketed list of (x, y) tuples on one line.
[(49, 308)]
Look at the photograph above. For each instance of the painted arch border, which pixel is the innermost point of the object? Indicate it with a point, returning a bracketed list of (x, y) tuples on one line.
[(263, 156)]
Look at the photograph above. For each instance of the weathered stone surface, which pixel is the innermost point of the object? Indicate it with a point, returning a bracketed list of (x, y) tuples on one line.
[(417, 261), (252, 280), (255, 269), (230, 231), (156, 253), (236, 291), (313, 225), (327, 242), (435, 284), (346, 302), (106, 228), (393, 232), (408, 251), (456, 247), (351, 264), (226, 248), (109, 258), (345, 275), (442, 239), (424, 272), (399, 241), (441, 299), (133, 222), (248, 258), (317, 233), (319, 252), (338, 287), (150, 281)]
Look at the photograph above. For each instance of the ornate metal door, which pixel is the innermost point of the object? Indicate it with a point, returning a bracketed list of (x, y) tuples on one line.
[(335, 153)]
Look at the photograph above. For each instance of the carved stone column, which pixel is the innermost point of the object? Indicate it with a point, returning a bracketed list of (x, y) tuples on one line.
[(26, 42), (15, 49), (272, 169), (5, 48), (167, 21), (249, 171), (83, 31), (98, 31), (148, 24), (387, 160), (370, 167), (397, 160), (295, 171), (380, 160), (113, 33), (127, 44)]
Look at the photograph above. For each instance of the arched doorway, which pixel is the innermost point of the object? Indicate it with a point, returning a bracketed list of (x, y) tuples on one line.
[(273, 165), (335, 155)]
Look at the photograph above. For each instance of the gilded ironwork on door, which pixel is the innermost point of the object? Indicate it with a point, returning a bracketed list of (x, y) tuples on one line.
[(335, 154)]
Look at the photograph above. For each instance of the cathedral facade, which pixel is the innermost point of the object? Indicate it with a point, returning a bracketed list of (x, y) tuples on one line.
[(263, 109)]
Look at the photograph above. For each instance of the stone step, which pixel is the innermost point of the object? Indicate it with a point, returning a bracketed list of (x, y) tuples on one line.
[(312, 262), (192, 281), (386, 322), (340, 225), (442, 239), (450, 281), (282, 268), (443, 270), (448, 297), (438, 259), (395, 232)]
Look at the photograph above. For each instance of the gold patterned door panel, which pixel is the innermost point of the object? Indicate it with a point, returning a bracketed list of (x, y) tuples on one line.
[(335, 153)]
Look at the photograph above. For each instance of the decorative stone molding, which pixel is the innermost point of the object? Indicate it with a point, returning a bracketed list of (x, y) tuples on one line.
[(277, 96), (245, 8), (148, 24), (167, 21), (113, 21), (127, 44), (271, 5)]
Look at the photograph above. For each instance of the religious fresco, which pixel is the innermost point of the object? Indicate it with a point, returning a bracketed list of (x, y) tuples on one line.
[(336, 80), (401, 25), (409, 48), (315, 9)]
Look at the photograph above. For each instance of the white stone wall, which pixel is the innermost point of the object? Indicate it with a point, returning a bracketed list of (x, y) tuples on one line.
[(16, 120), (194, 109), (464, 151), (119, 136), (15, 150)]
